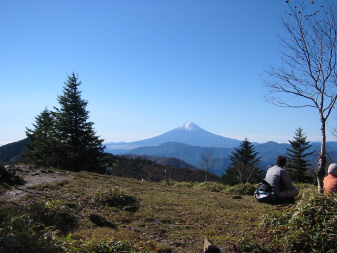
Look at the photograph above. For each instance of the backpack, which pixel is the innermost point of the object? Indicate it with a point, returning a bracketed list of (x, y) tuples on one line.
[(264, 192)]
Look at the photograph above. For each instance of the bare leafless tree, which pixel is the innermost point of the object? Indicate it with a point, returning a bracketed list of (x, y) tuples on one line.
[(308, 69), (206, 159)]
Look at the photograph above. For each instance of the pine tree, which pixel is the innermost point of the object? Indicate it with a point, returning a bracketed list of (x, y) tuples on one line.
[(40, 149), (243, 167), (297, 165), (79, 147)]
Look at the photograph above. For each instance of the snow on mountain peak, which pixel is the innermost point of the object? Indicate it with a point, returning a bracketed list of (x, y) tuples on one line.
[(190, 126)]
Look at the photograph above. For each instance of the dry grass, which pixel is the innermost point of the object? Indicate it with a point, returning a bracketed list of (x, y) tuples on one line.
[(176, 218)]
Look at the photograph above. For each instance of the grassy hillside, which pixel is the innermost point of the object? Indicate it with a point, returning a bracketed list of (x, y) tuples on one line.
[(99, 213), (162, 217)]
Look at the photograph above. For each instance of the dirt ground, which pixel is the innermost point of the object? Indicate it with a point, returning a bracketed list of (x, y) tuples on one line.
[(32, 176)]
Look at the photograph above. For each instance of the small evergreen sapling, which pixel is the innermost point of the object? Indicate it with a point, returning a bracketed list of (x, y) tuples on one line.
[(298, 164), (243, 167)]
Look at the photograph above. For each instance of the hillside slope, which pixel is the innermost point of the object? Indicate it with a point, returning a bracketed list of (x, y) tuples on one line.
[(145, 169), (169, 161), (11, 153), (151, 217)]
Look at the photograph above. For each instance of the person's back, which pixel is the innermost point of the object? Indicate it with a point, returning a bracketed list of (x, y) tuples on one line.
[(330, 181), (280, 181), (273, 177)]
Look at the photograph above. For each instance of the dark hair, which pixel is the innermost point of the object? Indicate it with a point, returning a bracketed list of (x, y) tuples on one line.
[(281, 161)]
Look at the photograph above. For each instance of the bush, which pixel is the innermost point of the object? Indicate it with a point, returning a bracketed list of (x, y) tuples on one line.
[(20, 233), (308, 226), (53, 213), (246, 244), (117, 198), (179, 184), (210, 186), (241, 189)]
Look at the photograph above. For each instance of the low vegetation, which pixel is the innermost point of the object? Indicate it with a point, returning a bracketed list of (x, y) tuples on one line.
[(308, 226), (145, 169), (103, 213), (241, 189), (4, 187)]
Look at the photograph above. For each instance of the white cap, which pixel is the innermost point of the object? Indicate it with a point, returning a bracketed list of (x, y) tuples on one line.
[(332, 169)]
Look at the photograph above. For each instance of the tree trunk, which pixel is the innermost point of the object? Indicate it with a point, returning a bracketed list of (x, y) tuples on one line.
[(320, 172), (206, 176)]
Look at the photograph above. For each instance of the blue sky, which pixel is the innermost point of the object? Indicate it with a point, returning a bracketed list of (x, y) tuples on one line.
[(148, 66)]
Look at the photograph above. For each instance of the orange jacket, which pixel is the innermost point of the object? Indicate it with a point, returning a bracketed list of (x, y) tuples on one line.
[(330, 183)]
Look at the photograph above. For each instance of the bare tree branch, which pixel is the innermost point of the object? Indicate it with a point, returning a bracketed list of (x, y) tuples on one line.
[(309, 59)]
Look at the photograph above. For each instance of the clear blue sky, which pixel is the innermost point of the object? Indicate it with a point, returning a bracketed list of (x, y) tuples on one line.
[(147, 66)]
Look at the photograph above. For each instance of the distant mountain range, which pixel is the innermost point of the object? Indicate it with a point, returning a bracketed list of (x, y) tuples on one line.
[(188, 133), (182, 148), (189, 141), (191, 154)]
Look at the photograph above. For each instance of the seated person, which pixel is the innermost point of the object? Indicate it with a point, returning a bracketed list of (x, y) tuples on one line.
[(330, 181), (280, 181)]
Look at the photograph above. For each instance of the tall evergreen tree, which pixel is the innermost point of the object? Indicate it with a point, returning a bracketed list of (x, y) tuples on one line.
[(298, 165), (80, 148), (243, 167), (40, 148)]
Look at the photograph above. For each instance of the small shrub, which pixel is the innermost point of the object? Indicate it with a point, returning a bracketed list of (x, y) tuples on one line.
[(241, 189), (117, 198), (53, 213), (20, 233), (210, 186), (248, 245), (308, 226), (178, 184)]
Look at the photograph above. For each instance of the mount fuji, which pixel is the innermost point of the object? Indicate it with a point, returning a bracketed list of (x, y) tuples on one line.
[(188, 133)]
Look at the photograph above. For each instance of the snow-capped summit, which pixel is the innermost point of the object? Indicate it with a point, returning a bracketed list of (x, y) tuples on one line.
[(190, 126)]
